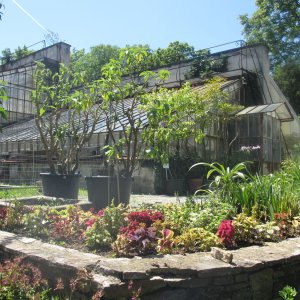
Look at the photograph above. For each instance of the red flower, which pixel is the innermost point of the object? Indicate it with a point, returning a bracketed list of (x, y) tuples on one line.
[(3, 212), (146, 217), (90, 222), (226, 232)]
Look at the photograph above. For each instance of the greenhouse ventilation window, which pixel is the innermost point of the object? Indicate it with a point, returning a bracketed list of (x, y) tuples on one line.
[(281, 109)]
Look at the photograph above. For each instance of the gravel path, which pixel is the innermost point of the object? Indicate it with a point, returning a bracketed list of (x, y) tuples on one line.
[(152, 199)]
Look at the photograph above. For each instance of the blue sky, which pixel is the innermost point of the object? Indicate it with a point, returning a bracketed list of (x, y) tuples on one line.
[(83, 24)]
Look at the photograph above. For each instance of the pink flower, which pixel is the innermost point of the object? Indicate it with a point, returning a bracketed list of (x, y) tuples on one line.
[(101, 213)]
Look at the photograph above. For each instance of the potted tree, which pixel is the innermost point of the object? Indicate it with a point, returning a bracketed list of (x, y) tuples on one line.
[(123, 87), (178, 120), (65, 117)]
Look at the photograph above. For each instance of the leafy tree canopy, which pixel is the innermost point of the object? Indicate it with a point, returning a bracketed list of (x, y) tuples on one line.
[(93, 61), (8, 55), (288, 79), (276, 23), (1, 7)]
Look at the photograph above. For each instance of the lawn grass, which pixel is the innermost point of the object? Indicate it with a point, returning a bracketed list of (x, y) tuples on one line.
[(20, 192), (28, 191)]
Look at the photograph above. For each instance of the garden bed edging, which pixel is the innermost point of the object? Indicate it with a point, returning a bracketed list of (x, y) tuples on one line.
[(256, 272)]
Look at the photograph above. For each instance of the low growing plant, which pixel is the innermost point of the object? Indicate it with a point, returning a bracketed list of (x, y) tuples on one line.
[(211, 213), (21, 280), (288, 293), (196, 239), (138, 237), (166, 243)]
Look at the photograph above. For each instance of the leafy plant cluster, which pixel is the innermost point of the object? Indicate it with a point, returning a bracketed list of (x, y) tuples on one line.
[(22, 280), (268, 194), (240, 209)]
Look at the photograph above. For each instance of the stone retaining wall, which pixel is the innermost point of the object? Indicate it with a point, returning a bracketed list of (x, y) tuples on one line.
[(255, 272)]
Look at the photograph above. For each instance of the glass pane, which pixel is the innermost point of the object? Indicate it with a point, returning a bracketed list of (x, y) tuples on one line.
[(254, 126)]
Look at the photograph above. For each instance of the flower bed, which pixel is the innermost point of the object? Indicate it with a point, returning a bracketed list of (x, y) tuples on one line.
[(166, 229)]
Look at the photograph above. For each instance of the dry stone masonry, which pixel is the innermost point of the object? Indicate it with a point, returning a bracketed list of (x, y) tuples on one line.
[(256, 272)]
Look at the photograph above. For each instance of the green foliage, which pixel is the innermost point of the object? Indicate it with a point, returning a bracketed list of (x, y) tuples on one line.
[(287, 76), (179, 115), (196, 239), (180, 214), (288, 293), (1, 7), (54, 94), (37, 222), (277, 24), (245, 228), (92, 62), (114, 219), (121, 102), (105, 226), (97, 235), (225, 178), (204, 65), (212, 212), (20, 280), (8, 55), (3, 97), (12, 193), (175, 52)]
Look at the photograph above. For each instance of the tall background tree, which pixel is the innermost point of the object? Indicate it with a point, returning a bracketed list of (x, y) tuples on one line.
[(277, 24), (1, 8)]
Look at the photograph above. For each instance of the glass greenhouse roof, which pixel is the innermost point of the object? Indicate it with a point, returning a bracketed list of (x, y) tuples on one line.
[(281, 109)]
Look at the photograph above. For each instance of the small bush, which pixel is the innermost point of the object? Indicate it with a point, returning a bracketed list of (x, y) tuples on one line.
[(20, 280), (196, 239)]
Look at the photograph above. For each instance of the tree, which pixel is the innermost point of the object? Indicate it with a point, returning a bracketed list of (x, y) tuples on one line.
[(276, 23), (288, 79), (174, 53), (1, 7), (8, 55), (178, 116), (92, 62), (121, 100), (65, 115)]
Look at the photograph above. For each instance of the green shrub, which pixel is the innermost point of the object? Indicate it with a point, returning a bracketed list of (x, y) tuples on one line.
[(97, 236), (212, 212), (245, 229), (196, 239)]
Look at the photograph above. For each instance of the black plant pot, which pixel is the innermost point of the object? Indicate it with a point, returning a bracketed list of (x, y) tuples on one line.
[(102, 189), (60, 186), (174, 186)]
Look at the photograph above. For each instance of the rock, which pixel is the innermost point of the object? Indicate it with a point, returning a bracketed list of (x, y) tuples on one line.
[(222, 255)]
